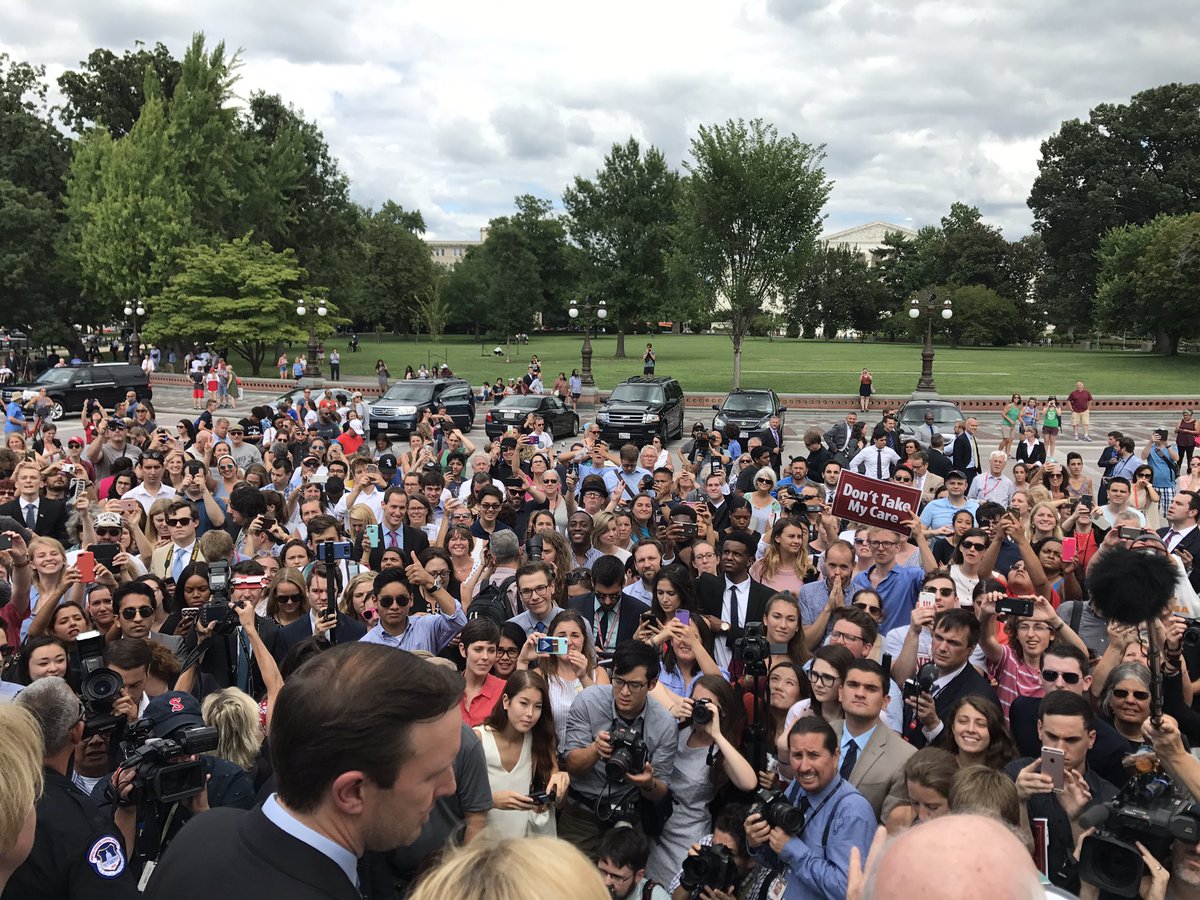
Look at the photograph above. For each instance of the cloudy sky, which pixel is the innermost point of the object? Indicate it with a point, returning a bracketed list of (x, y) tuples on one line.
[(455, 108)]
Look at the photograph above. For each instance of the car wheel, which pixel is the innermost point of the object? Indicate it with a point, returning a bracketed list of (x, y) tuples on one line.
[(574, 427), (57, 411)]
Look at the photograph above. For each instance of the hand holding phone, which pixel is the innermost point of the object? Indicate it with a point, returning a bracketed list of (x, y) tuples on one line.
[(1054, 765)]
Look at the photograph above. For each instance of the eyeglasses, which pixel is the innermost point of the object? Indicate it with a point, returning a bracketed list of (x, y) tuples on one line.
[(1123, 693), (704, 556), (549, 481), (823, 679), (867, 608), (977, 546), (386, 602), (130, 613), (842, 637), (109, 532), (508, 651), (1068, 677), (762, 481), (178, 523), (883, 545), (537, 590), (605, 595), (634, 687), (943, 591), (1032, 626)]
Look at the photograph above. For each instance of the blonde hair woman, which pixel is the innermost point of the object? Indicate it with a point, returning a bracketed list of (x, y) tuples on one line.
[(606, 537), (528, 868), (1043, 522), (21, 782), (359, 517), (239, 732), (785, 564), (287, 597)]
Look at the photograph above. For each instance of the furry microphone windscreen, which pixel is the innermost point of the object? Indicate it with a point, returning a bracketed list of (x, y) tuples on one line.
[(1131, 586)]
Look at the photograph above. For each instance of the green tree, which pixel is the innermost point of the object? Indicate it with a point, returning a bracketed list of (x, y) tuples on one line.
[(109, 90), (837, 290), (241, 294), (753, 202), (33, 154), (1127, 164), (981, 316), (514, 290), (545, 236), (1148, 277), (623, 221), (465, 289), (398, 270)]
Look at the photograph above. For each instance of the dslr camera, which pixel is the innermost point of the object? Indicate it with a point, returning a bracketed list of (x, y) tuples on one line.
[(702, 714), (1191, 635), (629, 753), (921, 683), (712, 867), (99, 687), (777, 811), (217, 609), (753, 649), (158, 779)]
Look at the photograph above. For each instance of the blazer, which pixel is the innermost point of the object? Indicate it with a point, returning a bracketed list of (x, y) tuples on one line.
[(710, 591), (257, 860), (836, 436), (879, 773), (220, 660), (414, 540), (51, 518), (939, 463), (1034, 457), (968, 683), (1191, 544), (776, 447), (932, 483), (627, 620), (346, 631), (961, 455), (160, 559)]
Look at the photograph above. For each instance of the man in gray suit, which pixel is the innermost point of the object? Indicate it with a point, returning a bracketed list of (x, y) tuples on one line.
[(872, 755)]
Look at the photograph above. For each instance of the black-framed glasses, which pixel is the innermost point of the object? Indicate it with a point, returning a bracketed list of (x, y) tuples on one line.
[(129, 613), (605, 595), (508, 651), (538, 590), (823, 678), (868, 608), (287, 598), (178, 523), (109, 532), (489, 506)]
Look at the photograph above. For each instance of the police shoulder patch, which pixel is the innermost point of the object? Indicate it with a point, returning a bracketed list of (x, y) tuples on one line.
[(107, 857)]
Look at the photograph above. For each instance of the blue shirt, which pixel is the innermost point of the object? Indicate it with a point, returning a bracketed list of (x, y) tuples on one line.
[(16, 411), (941, 511), (633, 480), (1159, 462), (608, 473), (289, 824), (432, 632), (848, 739), (816, 868), (898, 590), (813, 598), (673, 681)]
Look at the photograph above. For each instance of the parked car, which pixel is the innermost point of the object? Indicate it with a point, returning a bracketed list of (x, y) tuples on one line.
[(71, 386), (639, 408), (912, 416), (512, 411), (400, 408), (749, 410)]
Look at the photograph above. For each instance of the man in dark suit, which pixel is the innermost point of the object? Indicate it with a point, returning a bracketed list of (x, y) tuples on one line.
[(730, 602), (1181, 532), (965, 453), (269, 851), (939, 463), (229, 660), (955, 634), (772, 439), (344, 628), (46, 518), (392, 530), (837, 439), (614, 617)]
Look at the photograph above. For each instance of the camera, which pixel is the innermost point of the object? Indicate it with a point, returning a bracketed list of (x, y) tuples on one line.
[(156, 778), (629, 753), (1191, 635), (533, 547), (753, 649), (712, 867), (777, 811), (217, 609), (921, 683), (1146, 810), (99, 687)]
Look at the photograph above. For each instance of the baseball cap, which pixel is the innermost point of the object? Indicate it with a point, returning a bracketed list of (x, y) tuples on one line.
[(508, 443), (76, 440), (387, 461), (356, 426), (172, 710), (956, 473), (107, 520)]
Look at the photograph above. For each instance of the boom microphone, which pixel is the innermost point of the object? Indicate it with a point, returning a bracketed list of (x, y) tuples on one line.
[(1129, 586), (1093, 816)]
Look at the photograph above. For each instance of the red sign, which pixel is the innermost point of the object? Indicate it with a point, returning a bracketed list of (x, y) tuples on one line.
[(870, 501)]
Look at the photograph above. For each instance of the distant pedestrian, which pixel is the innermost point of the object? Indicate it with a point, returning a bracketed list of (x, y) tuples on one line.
[(864, 390), (282, 365), (1010, 420), (648, 360), (1185, 438), (575, 384), (1081, 401), (335, 365), (1051, 423), (382, 373), (298, 368)]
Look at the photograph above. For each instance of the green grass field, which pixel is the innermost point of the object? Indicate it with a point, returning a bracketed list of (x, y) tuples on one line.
[(705, 363)]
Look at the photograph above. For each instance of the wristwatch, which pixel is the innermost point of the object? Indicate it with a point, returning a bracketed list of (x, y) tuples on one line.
[(724, 627), (437, 583)]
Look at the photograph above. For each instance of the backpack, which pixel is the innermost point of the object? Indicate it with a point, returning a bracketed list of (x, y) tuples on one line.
[(492, 602)]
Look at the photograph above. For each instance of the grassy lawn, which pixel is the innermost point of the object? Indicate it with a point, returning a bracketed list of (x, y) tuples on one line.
[(705, 363)]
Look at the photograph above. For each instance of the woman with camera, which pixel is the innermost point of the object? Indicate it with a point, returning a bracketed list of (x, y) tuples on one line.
[(705, 759), (566, 674), (520, 744)]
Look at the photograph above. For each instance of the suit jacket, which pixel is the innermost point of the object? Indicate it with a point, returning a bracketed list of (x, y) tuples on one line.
[(346, 631), (1191, 544), (879, 773), (51, 518), (968, 683), (220, 660), (932, 483), (776, 447), (414, 540), (836, 436), (1104, 758), (627, 620), (710, 591), (160, 559), (257, 860), (939, 463), (961, 456)]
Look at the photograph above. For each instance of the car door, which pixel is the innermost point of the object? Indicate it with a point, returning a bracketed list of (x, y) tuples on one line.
[(557, 416), (97, 383), (457, 400)]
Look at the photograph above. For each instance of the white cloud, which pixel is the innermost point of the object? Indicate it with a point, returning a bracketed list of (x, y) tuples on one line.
[(455, 109)]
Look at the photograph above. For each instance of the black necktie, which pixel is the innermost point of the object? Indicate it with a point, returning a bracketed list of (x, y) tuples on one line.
[(733, 617), (849, 759), (879, 464), (804, 805), (605, 618)]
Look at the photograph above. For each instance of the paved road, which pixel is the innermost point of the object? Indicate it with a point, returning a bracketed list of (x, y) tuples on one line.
[(173, 403)]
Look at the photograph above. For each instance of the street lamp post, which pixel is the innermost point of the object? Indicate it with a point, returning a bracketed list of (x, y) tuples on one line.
[(135, 310), (313, 368), (592, 312), (927, 308)]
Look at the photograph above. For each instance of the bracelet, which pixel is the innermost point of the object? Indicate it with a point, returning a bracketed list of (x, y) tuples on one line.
[(1059, 627)]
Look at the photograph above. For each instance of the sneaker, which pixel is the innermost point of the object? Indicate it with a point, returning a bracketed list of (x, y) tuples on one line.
[(1088, 438)]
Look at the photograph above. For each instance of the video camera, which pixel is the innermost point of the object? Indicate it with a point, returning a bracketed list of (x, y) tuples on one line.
[(712, 867), (1146, 810), (99, 686), (158, 779), (629, 753), (777, 811), (217, 609), (921, 683), (753, 649)]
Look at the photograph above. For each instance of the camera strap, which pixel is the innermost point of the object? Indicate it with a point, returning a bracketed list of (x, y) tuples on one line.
[(809, 816)]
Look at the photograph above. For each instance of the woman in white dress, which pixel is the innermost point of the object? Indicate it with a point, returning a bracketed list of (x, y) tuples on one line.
[(521, 748), (568, 674)]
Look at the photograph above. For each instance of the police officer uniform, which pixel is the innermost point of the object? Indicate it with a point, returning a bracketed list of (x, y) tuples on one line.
[(77, 851)]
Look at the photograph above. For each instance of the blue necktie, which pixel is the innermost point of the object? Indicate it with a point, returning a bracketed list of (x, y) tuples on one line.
[(177, 566)]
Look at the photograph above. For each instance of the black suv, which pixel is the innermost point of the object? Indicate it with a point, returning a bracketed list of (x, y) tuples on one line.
[(71, 386), (750, 411), (400, 408), (639, 408)]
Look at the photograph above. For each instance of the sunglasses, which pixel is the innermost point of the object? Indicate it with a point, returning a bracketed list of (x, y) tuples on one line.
[(489, 506), (109, 532), (1068, 677), (386, 602), (762, 480), (943, 591), (867, 608), (176, 523), (287, 598), (973, 545), (1123, 693), (130, 613)]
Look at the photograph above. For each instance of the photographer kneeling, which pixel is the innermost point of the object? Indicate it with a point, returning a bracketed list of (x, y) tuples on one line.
[(619, 748)]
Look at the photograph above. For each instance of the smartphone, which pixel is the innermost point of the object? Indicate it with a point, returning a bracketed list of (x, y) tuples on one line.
[(926, 599), (555, 646), (85, 562), (1087, 500), (189, 613), (322, 480), (683, 616), (5, 542), (1054, 765), (1015, 606), (268, 522), (373, 535), (77, 487), (341, 550), (1069, 549), (105, 554), (1130, 533), (647, 616), (542, 798)]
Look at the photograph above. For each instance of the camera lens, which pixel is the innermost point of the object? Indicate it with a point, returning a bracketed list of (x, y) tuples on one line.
[(702, 713), (101, 687)]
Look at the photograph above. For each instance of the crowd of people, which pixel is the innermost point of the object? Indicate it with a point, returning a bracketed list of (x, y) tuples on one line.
[(266, 657)]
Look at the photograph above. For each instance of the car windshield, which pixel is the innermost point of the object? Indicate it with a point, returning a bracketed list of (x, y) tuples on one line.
[(521, 402), (410, 393), (738, 403), (915, 415), (637, 393), (54, 376)]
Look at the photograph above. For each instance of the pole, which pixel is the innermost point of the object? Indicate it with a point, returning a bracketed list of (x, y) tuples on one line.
[(925, 382), (585, 377), (313, 368)]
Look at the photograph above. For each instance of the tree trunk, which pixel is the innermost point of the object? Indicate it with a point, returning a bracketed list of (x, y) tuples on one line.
[(1166, 343), (737, 359), (620, 354)]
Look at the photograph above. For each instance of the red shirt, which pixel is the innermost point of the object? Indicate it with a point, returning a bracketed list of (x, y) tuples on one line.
[(1079, 400), (485, 701)]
